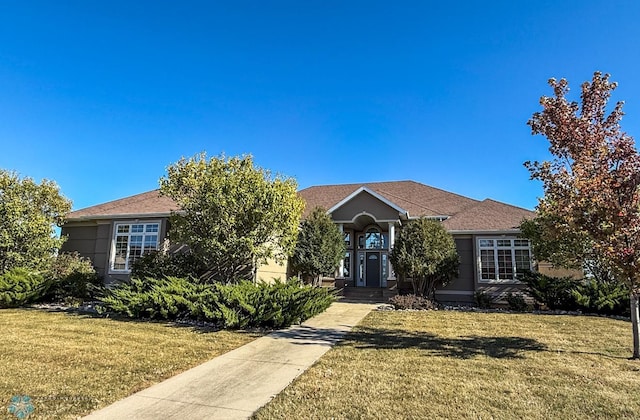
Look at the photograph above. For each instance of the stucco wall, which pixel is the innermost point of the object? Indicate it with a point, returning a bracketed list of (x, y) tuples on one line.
[(365, 202)]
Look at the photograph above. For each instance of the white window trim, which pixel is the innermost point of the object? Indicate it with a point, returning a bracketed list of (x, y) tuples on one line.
[(114, 235), (495, 248)]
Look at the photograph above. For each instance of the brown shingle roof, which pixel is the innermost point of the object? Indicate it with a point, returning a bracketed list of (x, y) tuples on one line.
[(488, 215), (417, 199), (148, 203), (422, 200)]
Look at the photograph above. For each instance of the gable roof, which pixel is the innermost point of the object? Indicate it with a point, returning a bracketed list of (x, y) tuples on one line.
[(415, 198), (148, 204), (370, 192), (464, 213)]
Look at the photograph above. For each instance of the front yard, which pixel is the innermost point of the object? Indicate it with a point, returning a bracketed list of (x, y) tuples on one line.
[(70, 365), (441, 364)]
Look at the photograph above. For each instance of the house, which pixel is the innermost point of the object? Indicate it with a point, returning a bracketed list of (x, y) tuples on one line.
[(369, 214)]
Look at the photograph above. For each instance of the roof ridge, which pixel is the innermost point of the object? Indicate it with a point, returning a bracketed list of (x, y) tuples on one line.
[(360, 184)]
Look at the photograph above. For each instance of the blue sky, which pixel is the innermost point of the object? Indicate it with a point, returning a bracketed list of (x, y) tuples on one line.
[(101, 96)]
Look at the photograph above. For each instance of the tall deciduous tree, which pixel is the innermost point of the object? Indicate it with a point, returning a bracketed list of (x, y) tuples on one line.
[(233, 215), (28, 214), (320, 246), (592, 183), (426, 253)]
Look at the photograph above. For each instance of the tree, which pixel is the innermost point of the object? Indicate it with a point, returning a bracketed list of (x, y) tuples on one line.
[(319, 248), (28, 214), (426, 253), (592, 183), (233, 215), (554, 241)]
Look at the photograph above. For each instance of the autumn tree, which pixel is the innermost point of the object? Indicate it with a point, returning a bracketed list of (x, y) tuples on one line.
[(233, 215), (425, 253), (29, 213), (591, 186), (319, 248)]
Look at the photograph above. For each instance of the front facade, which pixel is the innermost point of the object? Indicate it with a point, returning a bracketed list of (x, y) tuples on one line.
[(486, 234), (370, 215)]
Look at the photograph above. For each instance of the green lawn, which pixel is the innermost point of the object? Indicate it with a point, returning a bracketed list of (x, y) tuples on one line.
[(71, 365), (442, 364)]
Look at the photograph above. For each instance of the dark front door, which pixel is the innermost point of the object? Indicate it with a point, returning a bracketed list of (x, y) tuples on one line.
[(372, 278)]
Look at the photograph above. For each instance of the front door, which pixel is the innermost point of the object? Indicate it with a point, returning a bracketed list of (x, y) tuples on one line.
[(372, 278)]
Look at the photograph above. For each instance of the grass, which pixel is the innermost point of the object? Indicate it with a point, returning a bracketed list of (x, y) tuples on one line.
[(71, 365), (441, 364)]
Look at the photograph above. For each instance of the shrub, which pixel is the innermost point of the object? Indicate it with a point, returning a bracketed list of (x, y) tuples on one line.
[(20, 286), (163, 264), (411, 302), (73, 277), (425, 253), (241, 305), (553, 292), (167, 298), (483, 299), (516, 302), (602, 297)]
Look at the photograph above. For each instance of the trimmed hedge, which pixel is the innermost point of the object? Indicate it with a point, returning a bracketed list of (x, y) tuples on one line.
[(241, 305), (20, 286)]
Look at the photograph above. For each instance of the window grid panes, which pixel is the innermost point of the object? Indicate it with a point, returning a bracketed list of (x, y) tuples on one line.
[(347, 239), (346, 267), (132, 240), (503, 259), (488, 264)]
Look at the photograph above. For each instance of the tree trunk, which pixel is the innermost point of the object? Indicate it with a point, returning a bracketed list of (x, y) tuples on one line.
[(635, 324)]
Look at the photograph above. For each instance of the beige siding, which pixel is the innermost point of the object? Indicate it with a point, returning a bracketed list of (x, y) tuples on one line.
[(549, 270), (365, 202), (271, 270)]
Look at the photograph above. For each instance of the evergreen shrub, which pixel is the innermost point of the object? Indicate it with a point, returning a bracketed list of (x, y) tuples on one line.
[(20, 286), (242, 305)]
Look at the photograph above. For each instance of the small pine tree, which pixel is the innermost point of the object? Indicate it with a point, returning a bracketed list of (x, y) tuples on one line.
[(320, 247)]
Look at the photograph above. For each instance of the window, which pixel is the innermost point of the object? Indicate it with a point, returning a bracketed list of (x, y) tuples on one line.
[(373, 239), (346, 265), (361, 268), (347, 239), (131, 241), (385, 265), (502, 259)]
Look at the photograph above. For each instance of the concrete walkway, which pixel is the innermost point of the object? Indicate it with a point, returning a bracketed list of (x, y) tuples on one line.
[(235, 384)]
